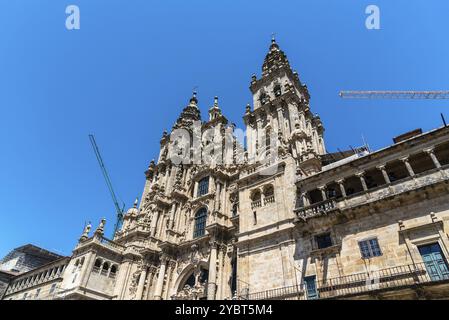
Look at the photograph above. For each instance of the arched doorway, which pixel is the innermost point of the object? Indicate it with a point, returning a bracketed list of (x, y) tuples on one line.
[(192, 283)]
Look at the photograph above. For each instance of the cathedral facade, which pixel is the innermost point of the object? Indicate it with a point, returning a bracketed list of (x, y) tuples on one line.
[(272, 217)]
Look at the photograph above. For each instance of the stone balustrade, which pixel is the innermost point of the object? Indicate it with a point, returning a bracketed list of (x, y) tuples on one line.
[(38, 276), (256, 204), (317, 209)]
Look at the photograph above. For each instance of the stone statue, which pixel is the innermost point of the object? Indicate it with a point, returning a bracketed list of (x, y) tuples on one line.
[(86, 232), (100, 228)]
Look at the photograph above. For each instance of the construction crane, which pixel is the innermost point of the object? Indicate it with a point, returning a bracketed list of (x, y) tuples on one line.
[(426, 95), (119, 211)]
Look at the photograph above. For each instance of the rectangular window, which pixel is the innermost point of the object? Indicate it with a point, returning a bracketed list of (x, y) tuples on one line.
[(203, 187), (370, 248), (38, 291), (323, 240), (310, 288)]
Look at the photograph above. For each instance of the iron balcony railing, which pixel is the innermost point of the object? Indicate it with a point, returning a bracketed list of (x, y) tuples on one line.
[(383, 279), (276, 294), (361, 283)]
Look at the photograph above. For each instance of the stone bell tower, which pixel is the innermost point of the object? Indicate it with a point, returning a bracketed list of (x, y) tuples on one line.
[(281, 110)]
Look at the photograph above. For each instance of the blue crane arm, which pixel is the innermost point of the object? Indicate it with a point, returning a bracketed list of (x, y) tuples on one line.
[(108, 183)]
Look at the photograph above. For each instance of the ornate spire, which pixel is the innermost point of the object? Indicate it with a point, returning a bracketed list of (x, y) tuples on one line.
[(194, 100), (190, 113), (215, 106), (215, 110), (274, 45), (275, 59)]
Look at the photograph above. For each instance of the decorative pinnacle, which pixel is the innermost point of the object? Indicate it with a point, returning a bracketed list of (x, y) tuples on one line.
[(193, 100), (136, 202), (216, 101), (274, 45)]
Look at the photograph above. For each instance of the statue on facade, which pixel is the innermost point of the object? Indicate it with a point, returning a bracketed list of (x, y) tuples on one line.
[(86, 232), (100, 229)]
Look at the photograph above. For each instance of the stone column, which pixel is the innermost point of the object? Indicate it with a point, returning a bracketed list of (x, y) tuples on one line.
[(259, 135), (361, 176), (217, 196), (150, 282), (431, 153), (140, 286), (211, 282), (122, 279), (408, 166), (166, 179), (249, 137), (323, 192), (171, 267), (281, 124), (153, 226), (195, 189), (223, 203), (160, 278), (87, 268), (384, 173), (219, 190), (221, 257), (171, 221), (305, 199), (341, 184), (270, 119), (178, 218)]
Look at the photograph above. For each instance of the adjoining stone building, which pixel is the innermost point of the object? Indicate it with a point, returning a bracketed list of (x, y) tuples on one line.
[(285, 219), (22, 260)]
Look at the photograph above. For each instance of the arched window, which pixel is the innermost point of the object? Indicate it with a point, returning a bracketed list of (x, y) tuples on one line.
[(105, 268), (114, 269), (98, 263), (190, 281), (200, 223), (277, 90), (255, 195), (268, 190), (256, 199), (263, 98), (203, 186)]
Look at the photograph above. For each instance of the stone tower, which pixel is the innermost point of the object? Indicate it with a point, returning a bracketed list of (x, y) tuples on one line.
[(281, 110)]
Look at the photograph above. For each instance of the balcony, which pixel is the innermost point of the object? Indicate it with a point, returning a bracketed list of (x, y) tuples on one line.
[(256, 204), (268, 199), (276, 294), (411, 276), (317, 209), (385, 279), (428, 178)]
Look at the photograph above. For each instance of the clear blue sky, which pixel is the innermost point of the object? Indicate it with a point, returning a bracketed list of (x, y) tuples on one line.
[(130, 69)]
